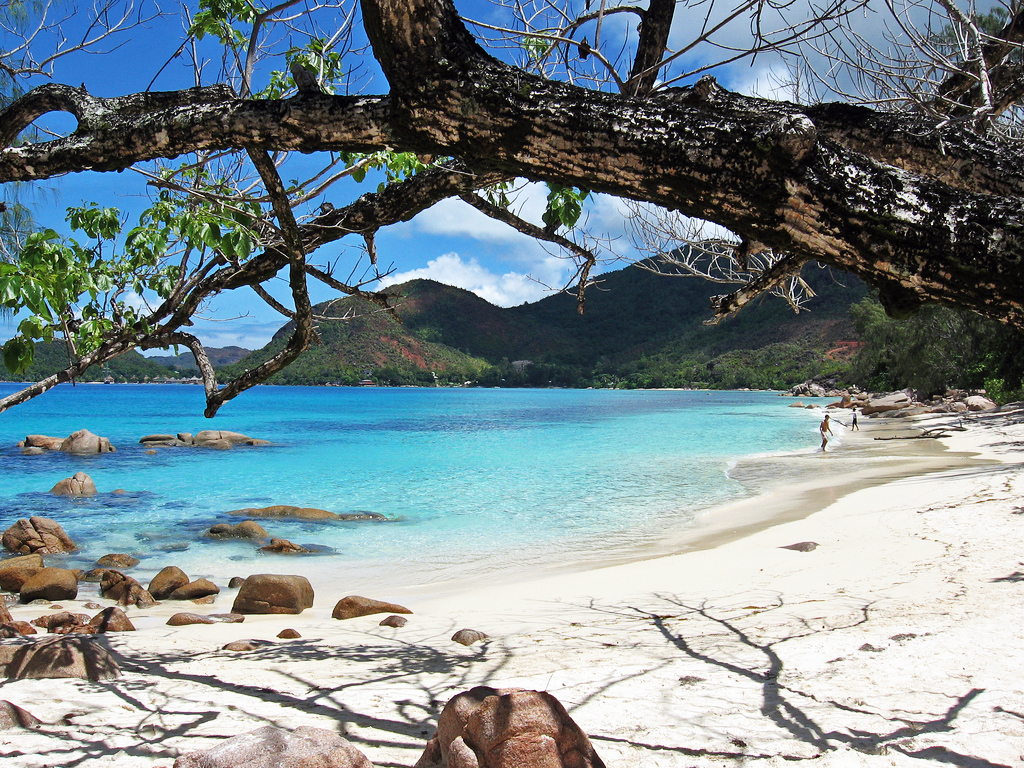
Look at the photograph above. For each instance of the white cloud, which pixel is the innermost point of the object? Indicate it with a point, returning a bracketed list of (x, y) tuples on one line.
[(454, 218), (505, 290)]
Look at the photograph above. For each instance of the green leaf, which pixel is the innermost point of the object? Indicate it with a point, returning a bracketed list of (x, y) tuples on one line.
[(18, 354)]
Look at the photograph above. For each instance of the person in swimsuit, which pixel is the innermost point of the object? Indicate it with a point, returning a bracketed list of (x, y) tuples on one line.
[(825, 430)]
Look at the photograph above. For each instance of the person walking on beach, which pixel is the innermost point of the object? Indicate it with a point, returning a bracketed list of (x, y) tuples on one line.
[(854, 424), (825, 430)]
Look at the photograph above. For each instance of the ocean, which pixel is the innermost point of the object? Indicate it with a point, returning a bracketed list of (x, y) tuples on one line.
[(473, 483)]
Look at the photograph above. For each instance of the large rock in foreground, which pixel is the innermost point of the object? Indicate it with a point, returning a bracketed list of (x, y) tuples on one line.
[(13, 716), (37, 536), (79, 484), (50, 584), (273, 593), (273, 747), (508, 728), (63, 656), (169, 578), (15, 571)]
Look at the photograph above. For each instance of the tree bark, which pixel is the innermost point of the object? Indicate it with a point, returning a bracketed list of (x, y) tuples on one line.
[(924, 216)]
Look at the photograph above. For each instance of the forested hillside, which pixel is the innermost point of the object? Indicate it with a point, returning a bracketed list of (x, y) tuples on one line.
[(639, 330)]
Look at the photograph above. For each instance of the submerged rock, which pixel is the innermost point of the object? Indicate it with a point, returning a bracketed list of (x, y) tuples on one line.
[(247, 529), (284, 547), (287, 511), (118, 560)]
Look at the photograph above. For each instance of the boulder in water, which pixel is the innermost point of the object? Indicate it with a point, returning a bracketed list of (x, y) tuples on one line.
[(79, 484)]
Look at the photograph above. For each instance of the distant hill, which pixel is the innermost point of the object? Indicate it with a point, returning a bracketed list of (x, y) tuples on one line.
[(219, 357), (639, 329), (53, 357), (129, 367)]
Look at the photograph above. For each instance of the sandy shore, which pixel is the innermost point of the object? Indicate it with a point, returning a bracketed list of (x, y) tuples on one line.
[(895, 642)]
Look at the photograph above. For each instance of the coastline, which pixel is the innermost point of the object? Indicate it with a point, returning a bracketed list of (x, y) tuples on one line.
[(893, 642)]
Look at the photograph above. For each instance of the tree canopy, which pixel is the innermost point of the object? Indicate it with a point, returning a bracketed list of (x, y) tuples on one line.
[(903, 170)]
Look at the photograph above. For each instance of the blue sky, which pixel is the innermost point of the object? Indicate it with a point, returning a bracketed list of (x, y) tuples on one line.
[(451, 242)]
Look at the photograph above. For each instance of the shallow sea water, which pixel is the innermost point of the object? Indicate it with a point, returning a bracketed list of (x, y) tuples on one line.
[(473, 482)]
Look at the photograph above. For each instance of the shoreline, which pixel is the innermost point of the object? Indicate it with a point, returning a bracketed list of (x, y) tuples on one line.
[(894, 642), (776, 504)]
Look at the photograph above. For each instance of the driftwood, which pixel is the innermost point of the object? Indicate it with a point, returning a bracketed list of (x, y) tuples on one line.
[(934, 432)]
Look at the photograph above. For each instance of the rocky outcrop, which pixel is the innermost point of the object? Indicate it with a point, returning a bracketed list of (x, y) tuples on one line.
[(117, 560), (79, 484), (247, 529), (185, 619), (166, 581), (895, 404), (42, 442), (76, 656), (208, 438), (16, 629), (13, 716), (64, 622), (14, 571), (352, 606), (507, 728), (84, 443), (194, 590), (112, 619), (125, 590), (979, 403), (273, 747), (37, 535), (284, 547), (304, 513), (50, 584), (273, 593)]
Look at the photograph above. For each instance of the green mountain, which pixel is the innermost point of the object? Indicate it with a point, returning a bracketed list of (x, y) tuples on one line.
[(639, 330)]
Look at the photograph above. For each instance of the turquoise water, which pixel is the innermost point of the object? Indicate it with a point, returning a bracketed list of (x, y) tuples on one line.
[(472, 481)]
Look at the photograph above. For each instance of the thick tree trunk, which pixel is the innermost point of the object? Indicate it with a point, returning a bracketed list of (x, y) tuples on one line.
[(923, 216)]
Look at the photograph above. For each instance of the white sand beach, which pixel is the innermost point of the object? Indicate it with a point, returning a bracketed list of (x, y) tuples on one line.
[(896, 641)]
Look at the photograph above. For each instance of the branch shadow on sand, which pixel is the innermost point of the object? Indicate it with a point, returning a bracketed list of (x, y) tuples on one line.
[(724, 640), (306, 681)]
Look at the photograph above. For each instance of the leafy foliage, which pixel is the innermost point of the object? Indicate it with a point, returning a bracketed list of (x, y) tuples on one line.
[(939, 348)]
